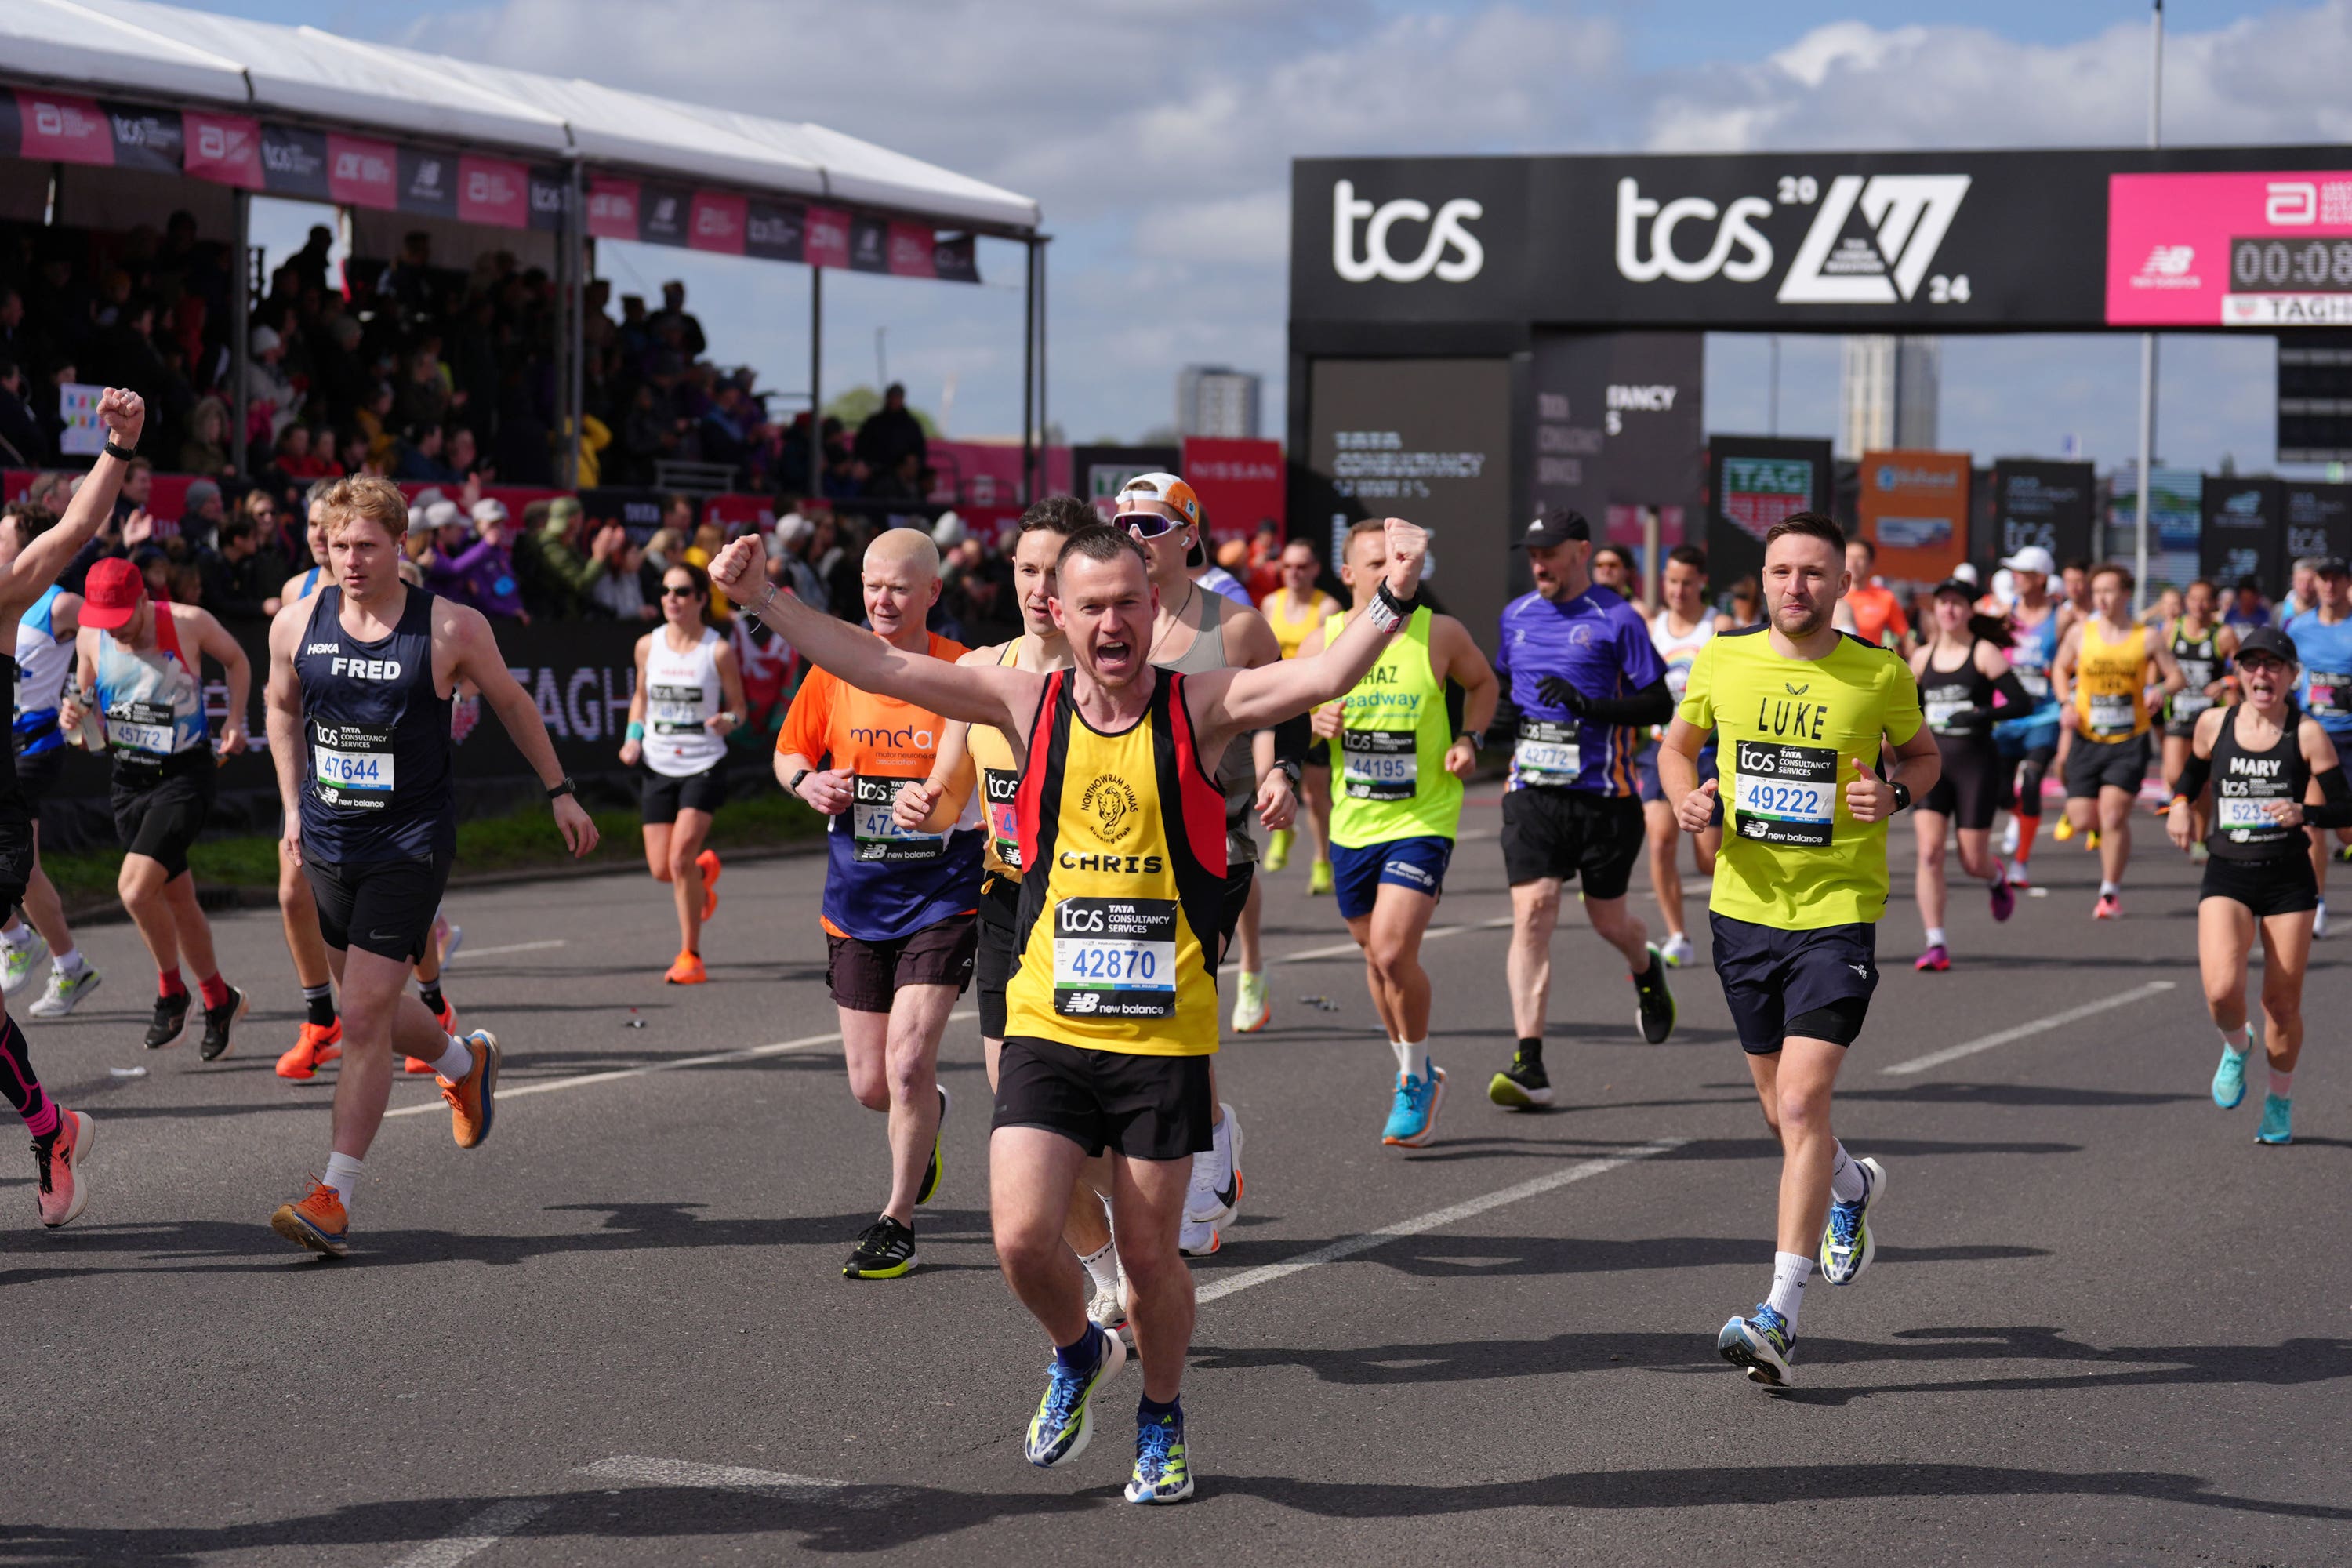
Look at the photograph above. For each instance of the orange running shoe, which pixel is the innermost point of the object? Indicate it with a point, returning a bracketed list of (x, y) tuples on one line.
[(472, 1097), (319, 1222), (314, 1048), (447, 1017), (418, 1065), (687, 969), (61, 1193), (708, 862)]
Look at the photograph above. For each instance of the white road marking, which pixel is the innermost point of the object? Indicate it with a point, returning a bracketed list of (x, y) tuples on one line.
[(510, 947), (479, 1533), (749, 1053), (1350, 950), (1348, 1246), (779, 1484), (2024, 1031)]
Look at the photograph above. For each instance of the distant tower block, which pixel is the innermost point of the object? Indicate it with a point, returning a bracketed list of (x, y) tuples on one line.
[(1889, 391)]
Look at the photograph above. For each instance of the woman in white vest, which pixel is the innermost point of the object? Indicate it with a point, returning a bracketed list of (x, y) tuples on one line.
[(689, 699)]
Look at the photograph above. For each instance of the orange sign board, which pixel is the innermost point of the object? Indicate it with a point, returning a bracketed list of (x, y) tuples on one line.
[(1914, 507)]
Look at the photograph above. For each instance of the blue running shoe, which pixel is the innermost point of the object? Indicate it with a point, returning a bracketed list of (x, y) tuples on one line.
[(2278, 1120), (1414, 1118), (1162, 1474), (2230, 1079), (1762, 1344), (1058, 1433), (1847, 1246)]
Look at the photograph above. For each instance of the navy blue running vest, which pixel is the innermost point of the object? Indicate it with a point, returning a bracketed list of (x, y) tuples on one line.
[(375, 739)]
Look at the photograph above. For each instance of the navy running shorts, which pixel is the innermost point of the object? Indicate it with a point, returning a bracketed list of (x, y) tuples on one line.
[(1645, 776), (1418, 864), (1773, 977)]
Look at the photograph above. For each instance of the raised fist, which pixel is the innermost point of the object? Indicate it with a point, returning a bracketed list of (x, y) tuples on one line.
[(125, 415), (1408, 549)]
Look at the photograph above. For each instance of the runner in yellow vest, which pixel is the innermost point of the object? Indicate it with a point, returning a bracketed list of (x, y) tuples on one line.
[(1398, 808), (2109, 673), (1296, 611)]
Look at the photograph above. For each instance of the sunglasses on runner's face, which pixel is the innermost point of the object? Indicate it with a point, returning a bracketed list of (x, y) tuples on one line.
[(2260, 661), (673, 591), (1149, 524)]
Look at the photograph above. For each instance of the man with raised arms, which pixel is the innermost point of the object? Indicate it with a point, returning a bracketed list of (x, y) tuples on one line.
[(61, 1138), (1801, 712), (1112, 1015), (362, 674)]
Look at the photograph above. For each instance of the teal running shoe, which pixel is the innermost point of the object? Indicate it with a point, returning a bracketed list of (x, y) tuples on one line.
[(2278, 1120), (1654, 1010), (1413, 1120), (1162, 1474), (1847, 1246), (2230, 1079), (1063, 1424), (1762, 1344)]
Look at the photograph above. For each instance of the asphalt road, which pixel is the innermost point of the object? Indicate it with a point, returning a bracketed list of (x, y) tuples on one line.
[(2104, 1326)]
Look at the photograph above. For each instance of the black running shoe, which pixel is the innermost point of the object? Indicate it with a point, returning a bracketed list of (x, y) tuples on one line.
[(884, 1251), (215, 1043), (171, 1018), (937, 1168), (1657, 1003), (1522, 1086)]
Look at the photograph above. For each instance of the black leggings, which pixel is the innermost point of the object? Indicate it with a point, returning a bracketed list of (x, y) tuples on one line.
[(2029, 782), (20, 1084)]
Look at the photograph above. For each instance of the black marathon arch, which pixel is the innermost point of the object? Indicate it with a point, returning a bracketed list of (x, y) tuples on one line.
[(1472, 338)]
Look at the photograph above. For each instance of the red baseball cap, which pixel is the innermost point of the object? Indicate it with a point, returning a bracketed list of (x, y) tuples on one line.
[(112, 594)]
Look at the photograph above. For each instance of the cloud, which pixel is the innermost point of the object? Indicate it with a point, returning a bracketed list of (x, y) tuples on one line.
[(1157, 134)]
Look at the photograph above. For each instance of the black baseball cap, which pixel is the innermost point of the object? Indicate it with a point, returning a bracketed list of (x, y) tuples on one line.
[(2269, 640), (1551, 528), (2331, 566), (1960, 586)]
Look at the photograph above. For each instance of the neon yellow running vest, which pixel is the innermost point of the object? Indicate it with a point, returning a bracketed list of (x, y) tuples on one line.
[(1390, 756)]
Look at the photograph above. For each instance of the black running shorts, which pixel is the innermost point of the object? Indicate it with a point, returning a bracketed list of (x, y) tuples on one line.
[(1229, 914), (1772, 977), (36, 774), (1570, 833), (2282, 885), (664, 797), (1147, 1108), (161, 819), (1000, 911), (16, 850), (383, 907), (1974, 784), (864, 975), (2092, 766)]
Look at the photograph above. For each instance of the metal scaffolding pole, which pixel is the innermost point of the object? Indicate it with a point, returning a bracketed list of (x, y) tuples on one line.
[(1028, 372), (1045, 426), (240, 321), (816, 383), (2147, 340), (574, 236)]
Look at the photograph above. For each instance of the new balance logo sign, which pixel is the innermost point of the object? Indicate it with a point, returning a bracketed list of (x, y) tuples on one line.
[(1449, 231)]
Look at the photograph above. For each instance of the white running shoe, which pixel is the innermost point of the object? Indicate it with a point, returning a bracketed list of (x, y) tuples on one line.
[(1108, 1310), (1677, 951), (2319, 919), (2019, 875), (2008, 840), (18, 959), (64, 994), (1249, 1004), (1209, 1204), (1198, 1237)]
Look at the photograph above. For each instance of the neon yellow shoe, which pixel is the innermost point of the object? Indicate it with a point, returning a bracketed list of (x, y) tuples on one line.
[(1278, 848), (1318, 879), (2064, 830)]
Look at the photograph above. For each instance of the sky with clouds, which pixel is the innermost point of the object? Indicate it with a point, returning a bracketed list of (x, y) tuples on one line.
[(1157, 134)]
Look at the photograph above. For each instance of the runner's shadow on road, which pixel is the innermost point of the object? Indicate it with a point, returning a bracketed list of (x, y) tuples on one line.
[(2290, 1364), (1893, 1148), (1743, 1485), (2010, 1096), (217, 1245)]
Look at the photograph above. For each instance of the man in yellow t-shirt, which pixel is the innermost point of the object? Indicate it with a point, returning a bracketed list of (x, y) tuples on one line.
[(1801, 713), (1294, 610)]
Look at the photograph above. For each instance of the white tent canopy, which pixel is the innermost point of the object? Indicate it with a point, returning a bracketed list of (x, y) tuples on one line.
[(137, 47)]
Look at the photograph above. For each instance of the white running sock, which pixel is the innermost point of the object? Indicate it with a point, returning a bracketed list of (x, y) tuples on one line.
[(2236, 1041), (1412, 1057), (17, 933), (1790, 1272), (2282, 1084), (69, 963), (344, 1175), (1847, 1183), (1396, 1049), (456, 1060), (1103, 1266), (1935, 936), (2111, 890)]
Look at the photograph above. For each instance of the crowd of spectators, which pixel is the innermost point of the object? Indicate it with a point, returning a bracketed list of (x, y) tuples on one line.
[(412, 368)]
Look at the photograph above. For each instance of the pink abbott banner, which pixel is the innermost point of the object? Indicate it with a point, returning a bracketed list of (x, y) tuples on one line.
[(2259, 250)]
